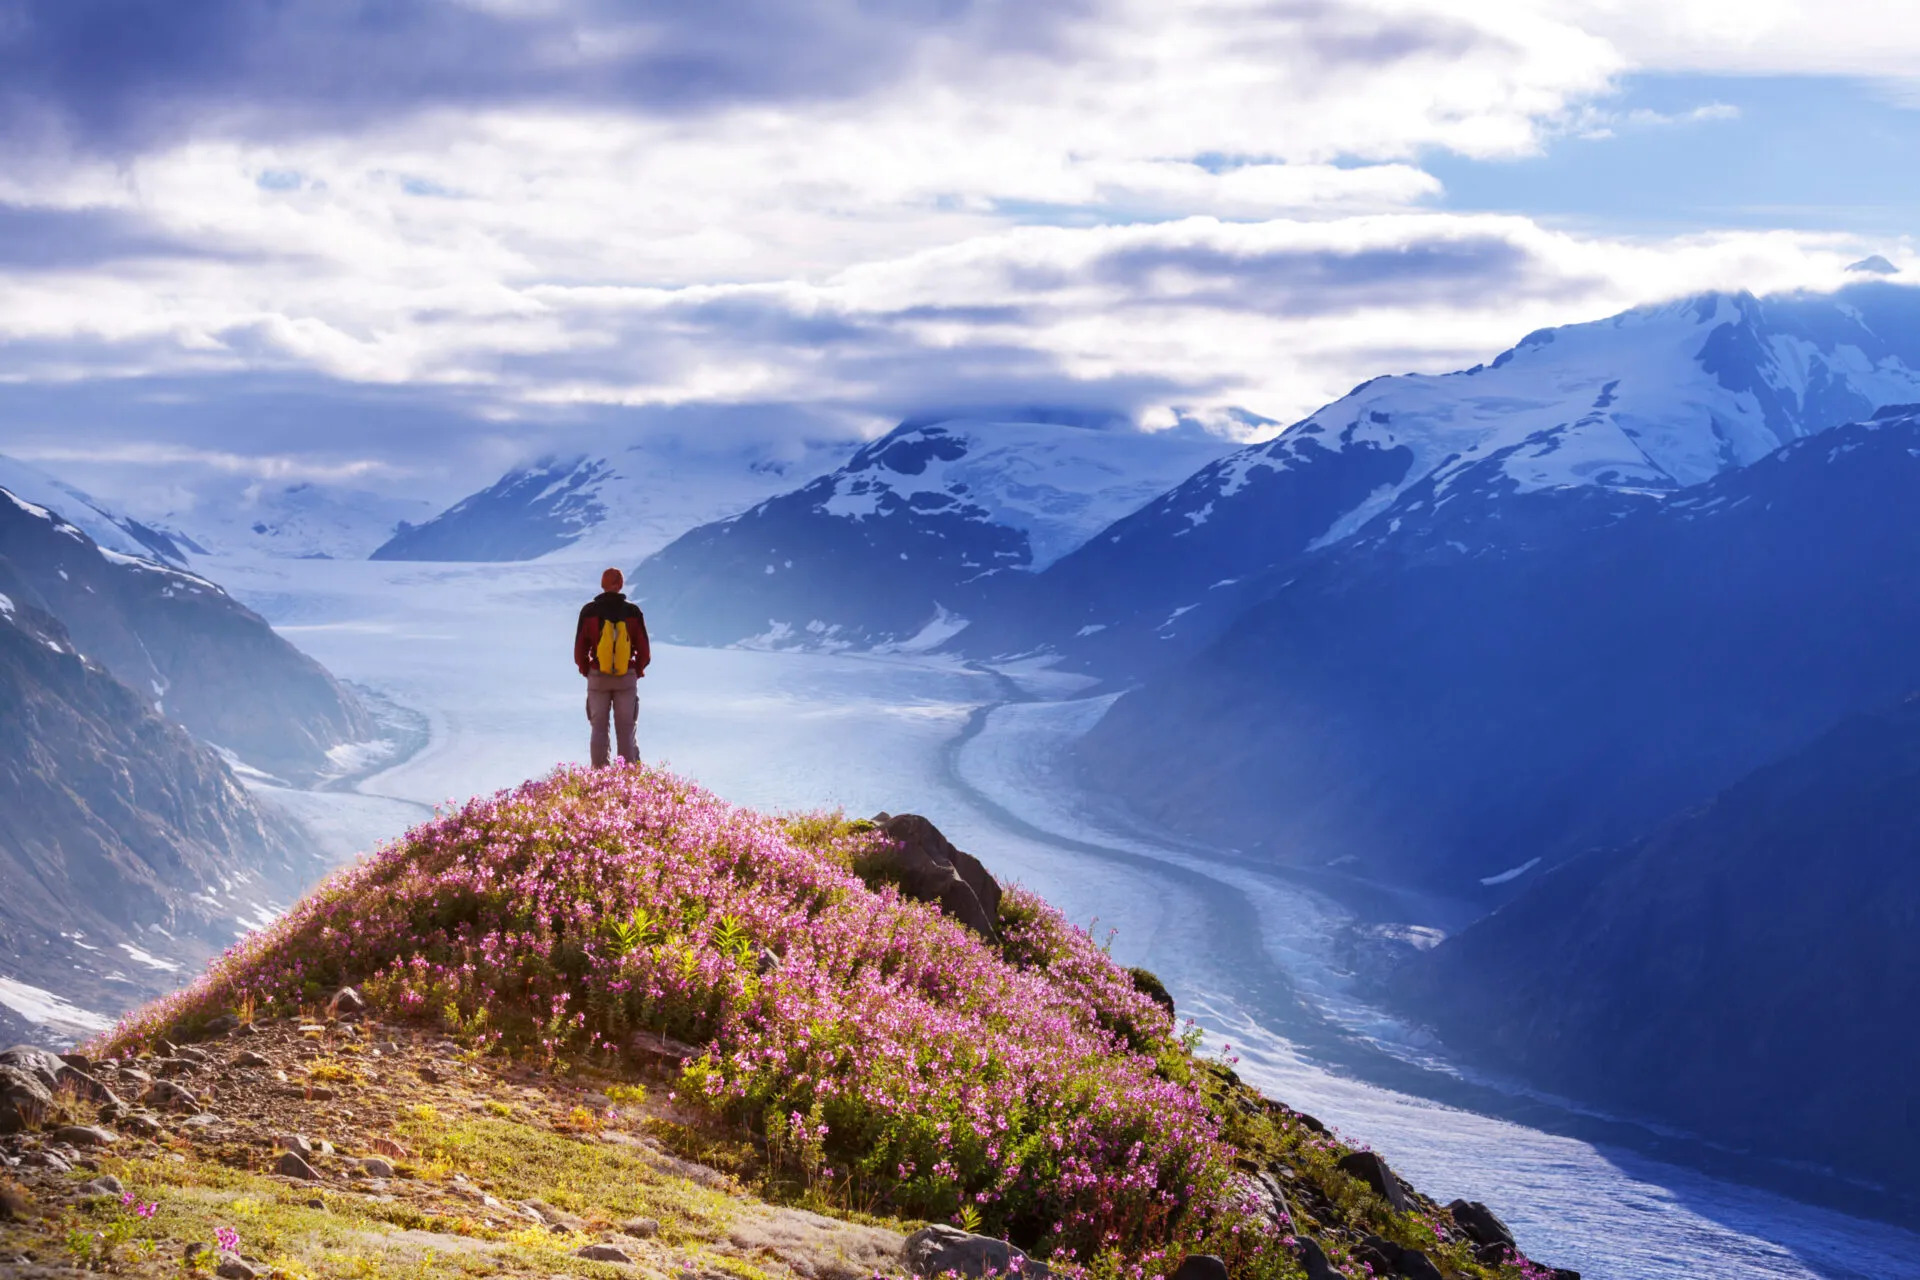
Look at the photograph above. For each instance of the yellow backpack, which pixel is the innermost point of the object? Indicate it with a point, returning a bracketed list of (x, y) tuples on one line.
[(615, 649)]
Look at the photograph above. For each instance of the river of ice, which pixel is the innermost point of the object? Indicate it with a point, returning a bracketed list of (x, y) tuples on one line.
[(483, 653)]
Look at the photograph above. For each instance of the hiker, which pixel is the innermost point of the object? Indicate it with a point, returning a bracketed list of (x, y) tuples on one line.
[(610, 648)]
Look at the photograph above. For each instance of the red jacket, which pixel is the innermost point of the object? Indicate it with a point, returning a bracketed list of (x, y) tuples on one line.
[(610, 606)]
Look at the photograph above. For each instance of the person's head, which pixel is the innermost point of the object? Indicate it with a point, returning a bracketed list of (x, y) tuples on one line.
[(612, 580)]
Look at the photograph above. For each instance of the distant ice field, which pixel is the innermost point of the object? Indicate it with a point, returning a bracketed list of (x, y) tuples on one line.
[(484, 653)]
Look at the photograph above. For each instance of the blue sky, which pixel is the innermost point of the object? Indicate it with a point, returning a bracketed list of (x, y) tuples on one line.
[(406, 244), (1676, 153)]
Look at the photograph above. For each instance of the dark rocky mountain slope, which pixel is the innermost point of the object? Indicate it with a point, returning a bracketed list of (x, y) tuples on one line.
[(128, 851), (1470, 686), (1749, 972), (194, 652)]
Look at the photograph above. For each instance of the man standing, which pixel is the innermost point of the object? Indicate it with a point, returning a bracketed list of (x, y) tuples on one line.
[(610, 648)]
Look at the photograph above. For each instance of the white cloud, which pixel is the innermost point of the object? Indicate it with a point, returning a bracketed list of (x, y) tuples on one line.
[(1868, 38), (1237, 209)]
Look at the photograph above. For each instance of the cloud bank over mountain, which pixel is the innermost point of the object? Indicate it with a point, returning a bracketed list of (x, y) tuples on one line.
[(519, 219)]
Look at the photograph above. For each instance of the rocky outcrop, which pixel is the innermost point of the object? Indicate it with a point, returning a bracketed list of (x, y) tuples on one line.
[(928, 868), (24, 1100), (1481, 1224), (1370, 1168)]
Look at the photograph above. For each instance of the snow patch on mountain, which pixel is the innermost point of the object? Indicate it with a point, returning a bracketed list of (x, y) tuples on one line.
[(618, 506), (1625, 410), (1058, 483), (302, 521), (111, 529), (1651, 401), (904, 542)]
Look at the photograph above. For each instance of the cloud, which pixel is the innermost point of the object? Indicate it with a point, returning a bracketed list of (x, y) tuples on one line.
[(124, 75), (1599, 122), (1860, 38), (1202, 313), (36, 238), (445, 232)]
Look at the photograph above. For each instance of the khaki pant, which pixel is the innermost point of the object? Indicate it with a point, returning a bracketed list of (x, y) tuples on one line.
[(615, 698)]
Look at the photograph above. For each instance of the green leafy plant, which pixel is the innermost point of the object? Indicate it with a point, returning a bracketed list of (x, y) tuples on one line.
[(634, 932)]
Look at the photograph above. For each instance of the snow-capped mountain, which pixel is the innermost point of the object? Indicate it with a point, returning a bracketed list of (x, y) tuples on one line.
[(617, 506), (1642, 404), (305, 520), (911, 531), (1487, 688), (110, 528)]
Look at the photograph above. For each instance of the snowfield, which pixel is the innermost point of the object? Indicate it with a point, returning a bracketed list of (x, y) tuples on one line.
[(483, 652), (1059, 483)]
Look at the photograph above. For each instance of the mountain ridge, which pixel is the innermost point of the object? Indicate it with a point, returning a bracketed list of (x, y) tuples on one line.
[(214, 665), (916, 530), (1639, 404), (128, 849), (1452, 703), (1691, 977), (801, 1007)]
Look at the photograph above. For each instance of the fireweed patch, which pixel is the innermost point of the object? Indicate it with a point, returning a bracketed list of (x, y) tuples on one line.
[(892, 1051)]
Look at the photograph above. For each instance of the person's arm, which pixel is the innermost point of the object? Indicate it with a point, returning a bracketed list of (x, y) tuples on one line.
[(642, 649), (585, 633)]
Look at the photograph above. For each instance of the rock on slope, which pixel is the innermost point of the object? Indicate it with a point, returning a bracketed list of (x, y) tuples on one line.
[(1457, 693), (128, 852), (1643, 404), (913, 532), (1748, 973), (210, 663)]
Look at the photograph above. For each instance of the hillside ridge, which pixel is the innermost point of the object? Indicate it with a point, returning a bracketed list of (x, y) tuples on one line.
[(680, 989)]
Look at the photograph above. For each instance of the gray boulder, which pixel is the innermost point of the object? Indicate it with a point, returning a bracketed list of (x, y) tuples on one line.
[(1200, 1266), (84, 1135), (1263, 1192), (24, 1099), (1480, 1223), (602, 1253), (104, 1185), (1313, 1260), (290, 1165), (941, 1250), (1371, 1169), (928, 868), (86, 1086), (168, 1096), (44, 1064), (1385, 1257)]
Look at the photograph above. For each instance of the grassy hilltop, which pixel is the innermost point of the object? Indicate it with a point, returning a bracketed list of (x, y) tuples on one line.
[(608, 1008)]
